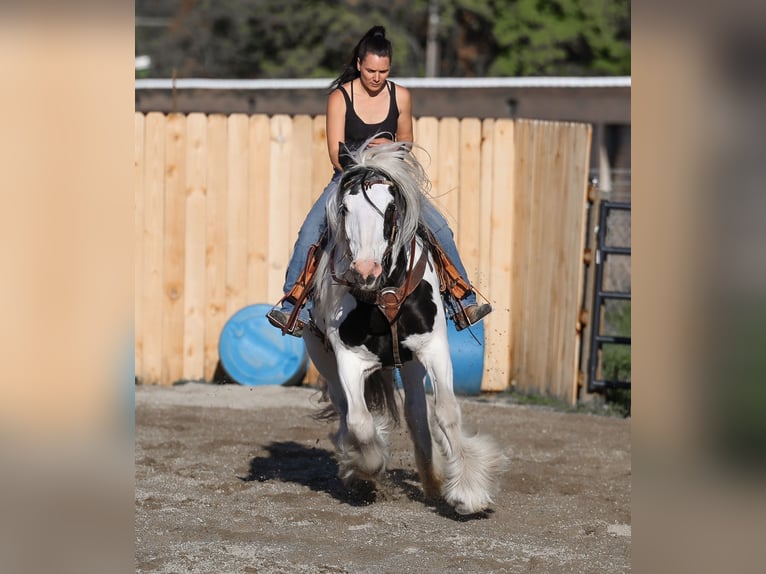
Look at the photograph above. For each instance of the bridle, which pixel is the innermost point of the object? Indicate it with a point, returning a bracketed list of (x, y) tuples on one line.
[(390, 299)]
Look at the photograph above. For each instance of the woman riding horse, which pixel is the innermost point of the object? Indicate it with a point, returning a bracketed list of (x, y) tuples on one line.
[(376, 308), (363, 103)]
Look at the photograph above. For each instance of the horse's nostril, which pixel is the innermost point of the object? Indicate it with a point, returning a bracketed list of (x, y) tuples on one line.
[(367, 270)]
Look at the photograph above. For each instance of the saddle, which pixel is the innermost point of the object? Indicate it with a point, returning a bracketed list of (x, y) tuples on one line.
[(451, 283)]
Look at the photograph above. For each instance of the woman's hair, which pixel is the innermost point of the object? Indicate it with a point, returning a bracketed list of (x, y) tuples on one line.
[(373, 42)]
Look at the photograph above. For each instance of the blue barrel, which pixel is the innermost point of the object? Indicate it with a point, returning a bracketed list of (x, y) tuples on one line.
[(254, 353), (466, 349)]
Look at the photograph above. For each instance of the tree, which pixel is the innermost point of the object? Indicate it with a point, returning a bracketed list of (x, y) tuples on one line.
[(276, 38), (313, 38), (561, 37)]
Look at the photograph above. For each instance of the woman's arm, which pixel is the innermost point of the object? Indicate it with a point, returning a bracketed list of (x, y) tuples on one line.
[(404, 125), (336, 125)]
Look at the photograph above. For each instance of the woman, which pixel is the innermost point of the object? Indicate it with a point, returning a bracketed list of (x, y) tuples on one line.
[(363, 103)]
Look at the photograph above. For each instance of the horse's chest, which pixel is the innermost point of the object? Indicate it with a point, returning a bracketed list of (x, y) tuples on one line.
[(367, 326)]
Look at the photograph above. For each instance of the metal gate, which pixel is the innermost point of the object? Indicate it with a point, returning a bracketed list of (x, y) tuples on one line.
[(597, 376)]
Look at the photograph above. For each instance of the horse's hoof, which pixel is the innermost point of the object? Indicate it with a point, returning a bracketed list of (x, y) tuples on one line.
[(465, 509)]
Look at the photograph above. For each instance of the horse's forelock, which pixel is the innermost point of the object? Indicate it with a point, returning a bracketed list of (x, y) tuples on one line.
[(396, 162)]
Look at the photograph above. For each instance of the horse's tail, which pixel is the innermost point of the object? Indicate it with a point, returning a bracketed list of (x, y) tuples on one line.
[(380, 394)]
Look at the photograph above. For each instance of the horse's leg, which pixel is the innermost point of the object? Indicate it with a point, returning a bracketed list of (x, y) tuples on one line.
[(362, 450), (473, 463), (416, 413), (326, 364)]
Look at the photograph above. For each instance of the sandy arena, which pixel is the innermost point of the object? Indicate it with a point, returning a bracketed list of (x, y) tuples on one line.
[(233, 479)]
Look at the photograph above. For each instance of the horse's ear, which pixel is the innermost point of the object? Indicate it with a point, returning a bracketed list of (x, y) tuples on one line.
[(344, 156)]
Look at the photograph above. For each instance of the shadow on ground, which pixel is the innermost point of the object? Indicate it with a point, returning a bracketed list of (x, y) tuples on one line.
[(316, 468)]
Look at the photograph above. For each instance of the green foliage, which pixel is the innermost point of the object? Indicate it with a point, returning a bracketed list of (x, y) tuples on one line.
[(314, 38), (273, 38), (615, 359), (562, 37)]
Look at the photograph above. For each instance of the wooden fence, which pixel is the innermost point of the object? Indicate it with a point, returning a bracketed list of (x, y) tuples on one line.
[(219, 200)]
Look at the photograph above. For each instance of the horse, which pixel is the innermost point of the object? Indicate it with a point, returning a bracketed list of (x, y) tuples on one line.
[(376, 306)]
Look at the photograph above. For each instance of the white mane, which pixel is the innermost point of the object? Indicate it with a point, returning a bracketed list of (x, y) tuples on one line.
[(395, 162)]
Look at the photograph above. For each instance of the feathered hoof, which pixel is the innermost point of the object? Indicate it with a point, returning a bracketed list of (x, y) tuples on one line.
[(474, 505), (473, 475), (362, 461)]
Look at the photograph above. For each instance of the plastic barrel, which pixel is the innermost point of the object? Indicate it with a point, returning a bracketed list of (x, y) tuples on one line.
[(466, 349), (254, 353)]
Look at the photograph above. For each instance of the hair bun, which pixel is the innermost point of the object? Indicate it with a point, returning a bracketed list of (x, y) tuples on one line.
[(378, 31)]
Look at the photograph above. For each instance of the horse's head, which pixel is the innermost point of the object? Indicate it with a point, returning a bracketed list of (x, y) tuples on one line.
[(375, 213), (369, 217)]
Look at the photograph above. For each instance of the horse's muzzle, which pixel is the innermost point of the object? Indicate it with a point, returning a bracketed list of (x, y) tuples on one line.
[(365, 274)]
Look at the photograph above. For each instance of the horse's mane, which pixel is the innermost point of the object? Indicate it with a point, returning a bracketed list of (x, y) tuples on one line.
[(395, 162)]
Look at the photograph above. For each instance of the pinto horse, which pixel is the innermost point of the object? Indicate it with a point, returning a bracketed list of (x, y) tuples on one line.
[(376, 306)]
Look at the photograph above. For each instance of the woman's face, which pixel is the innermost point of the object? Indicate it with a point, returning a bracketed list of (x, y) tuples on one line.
[(374, 71)]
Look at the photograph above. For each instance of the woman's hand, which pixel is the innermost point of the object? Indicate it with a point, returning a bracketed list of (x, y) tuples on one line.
[(378, 141)]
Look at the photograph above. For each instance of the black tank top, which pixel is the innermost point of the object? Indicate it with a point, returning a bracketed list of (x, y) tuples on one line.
[(357, 132)]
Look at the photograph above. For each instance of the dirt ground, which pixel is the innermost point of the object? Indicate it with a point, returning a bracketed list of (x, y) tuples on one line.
[(233, 479)]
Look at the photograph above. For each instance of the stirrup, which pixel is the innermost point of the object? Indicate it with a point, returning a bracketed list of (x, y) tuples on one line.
[(470, 315), (284, 323), (298, 294)]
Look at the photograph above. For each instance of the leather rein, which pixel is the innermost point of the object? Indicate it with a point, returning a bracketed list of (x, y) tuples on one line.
[(390, 299)]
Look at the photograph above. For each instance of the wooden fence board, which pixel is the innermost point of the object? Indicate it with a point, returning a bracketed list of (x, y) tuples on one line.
[(174, 247), (501, 223), (448, 152), (301, 177), (139, 155), (194, 266), (237, 212), (522, 275), (469, 195), (426, 133), (322, 170), (484, 239), (281, 239), (215, 237), (153, 241), (485, 232), (258, 218)]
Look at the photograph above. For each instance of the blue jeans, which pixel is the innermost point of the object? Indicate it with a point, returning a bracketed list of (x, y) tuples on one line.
[(316, 223), (435, 221)]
